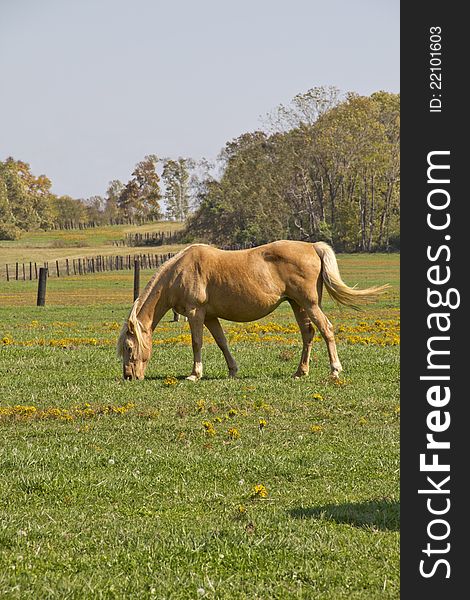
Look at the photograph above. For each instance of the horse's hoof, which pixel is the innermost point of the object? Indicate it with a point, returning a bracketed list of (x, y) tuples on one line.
[(299, 375), (192, 378)]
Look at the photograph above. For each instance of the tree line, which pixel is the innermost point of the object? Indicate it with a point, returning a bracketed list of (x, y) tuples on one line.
[(324, 167), (327, 168), (27, 202)]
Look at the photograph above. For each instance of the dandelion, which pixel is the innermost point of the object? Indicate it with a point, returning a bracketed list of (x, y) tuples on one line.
[(218, 419), (262, 424), (233, 433), (209, 428), (316, 428), (201, 404), (317, 396), (170, 381), (232, 412), (259, 491), (362, 421), (241, 509)]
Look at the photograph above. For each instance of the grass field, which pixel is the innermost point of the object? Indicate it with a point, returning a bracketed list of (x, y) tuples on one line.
[(59, 244), (259, 487)]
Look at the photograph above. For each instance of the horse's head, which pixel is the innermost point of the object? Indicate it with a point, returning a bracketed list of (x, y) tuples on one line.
[(134, 347)]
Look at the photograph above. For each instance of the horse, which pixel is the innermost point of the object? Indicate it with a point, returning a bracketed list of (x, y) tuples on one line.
[(204, 284)]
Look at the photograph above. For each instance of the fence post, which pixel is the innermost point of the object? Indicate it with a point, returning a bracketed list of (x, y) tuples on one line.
[(57, 267), (41, 301), (136, 279), (8, 274)]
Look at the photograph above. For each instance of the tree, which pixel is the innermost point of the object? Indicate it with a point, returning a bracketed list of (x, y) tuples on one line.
[(304, 109), (330, 172), (128, 202), (29, 197), (94, 207), (68, 212), (177, 183), (141, 196), (111, 211), (242, 206)]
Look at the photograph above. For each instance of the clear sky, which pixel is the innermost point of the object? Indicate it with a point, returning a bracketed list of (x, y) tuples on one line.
[(89, 87)]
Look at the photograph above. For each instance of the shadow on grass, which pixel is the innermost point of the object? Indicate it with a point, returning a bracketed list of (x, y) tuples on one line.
[(380, 514), (222, 377)]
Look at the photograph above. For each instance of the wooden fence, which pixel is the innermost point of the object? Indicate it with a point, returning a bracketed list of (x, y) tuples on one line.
[(71, 224), (92, 264), (83, 266), (154, 238)]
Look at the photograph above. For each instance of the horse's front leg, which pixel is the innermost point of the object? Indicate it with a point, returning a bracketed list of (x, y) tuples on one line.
[(196, 322)]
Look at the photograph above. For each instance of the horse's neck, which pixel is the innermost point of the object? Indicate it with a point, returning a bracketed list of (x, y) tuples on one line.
[(154, 306)]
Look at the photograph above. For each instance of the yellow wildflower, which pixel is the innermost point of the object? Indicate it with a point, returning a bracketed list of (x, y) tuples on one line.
[(209, 428), (259, 491), (233, 433)]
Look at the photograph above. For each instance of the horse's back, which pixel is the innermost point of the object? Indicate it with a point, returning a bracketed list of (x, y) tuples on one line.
[(272, 263)]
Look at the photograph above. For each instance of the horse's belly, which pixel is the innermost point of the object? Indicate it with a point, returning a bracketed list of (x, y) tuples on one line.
[(243, 311)]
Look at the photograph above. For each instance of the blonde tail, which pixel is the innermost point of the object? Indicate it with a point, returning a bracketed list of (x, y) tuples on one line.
[(336, 287)]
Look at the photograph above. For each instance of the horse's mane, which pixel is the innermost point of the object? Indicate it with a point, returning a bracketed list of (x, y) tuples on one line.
[(132, 319)]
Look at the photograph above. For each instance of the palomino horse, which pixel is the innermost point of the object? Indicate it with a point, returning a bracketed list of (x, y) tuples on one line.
[(204, 284)]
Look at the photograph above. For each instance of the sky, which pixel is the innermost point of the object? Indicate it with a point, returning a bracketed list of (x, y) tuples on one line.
[(89, 87)]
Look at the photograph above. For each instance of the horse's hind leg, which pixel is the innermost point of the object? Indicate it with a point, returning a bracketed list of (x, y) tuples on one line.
[(307, 331), (196, 321), (326, 329), (213, 325)]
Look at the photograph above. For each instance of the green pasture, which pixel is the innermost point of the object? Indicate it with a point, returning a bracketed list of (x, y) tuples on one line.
[(74, 243), (260, 487)]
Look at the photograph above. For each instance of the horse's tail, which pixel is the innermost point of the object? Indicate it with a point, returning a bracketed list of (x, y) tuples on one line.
[(336, 287)]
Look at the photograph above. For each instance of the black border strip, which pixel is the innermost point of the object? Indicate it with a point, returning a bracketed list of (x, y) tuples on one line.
[(424, 131)]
